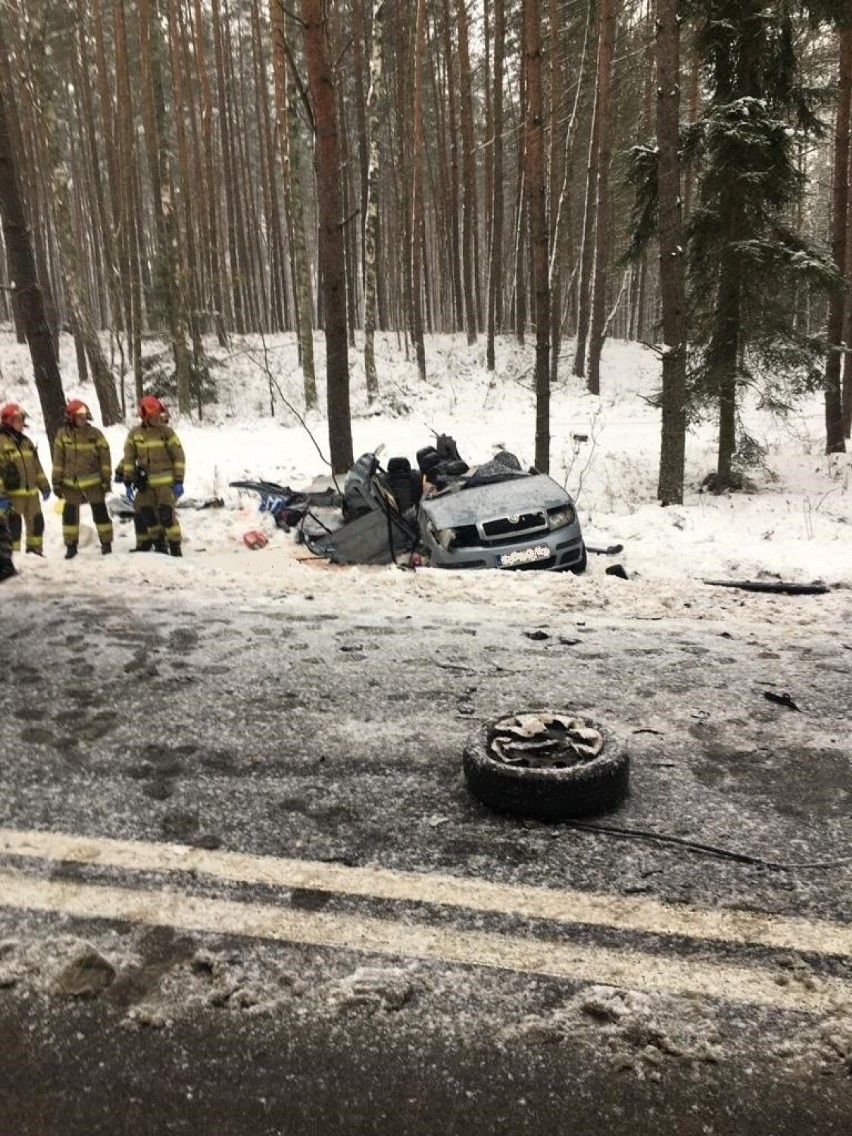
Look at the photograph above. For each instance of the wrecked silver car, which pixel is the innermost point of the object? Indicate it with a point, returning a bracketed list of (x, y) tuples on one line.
[(522, 521), (443, 513)]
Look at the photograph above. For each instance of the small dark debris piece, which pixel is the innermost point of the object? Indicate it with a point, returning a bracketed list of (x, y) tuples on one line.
[(781, 699), (617, 570), (780, 587), (208, 840)]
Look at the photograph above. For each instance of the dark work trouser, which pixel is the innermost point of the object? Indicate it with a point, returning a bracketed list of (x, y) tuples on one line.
[(6, 566), (26, 510), (154, 516), (96, 499)]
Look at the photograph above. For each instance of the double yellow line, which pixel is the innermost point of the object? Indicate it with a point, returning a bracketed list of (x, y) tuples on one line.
[(767, 984)]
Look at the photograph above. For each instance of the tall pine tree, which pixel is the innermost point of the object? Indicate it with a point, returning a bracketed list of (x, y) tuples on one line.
[(745, 261)]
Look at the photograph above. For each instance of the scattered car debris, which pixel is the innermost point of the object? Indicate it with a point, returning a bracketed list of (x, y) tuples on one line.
[(781, 699), (605, 549), (121, 506), (254, 539), (782, 587)]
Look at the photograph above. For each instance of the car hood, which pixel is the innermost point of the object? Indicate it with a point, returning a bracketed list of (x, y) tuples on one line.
[(500, 499)]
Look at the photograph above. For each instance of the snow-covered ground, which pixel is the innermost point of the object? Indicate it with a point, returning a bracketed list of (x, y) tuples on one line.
[(794, 525)]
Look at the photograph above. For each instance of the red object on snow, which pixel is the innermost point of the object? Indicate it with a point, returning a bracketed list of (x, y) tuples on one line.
[(255, 539)]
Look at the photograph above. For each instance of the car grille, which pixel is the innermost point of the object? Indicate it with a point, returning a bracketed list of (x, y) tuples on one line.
[(505, 530), (502, 530)]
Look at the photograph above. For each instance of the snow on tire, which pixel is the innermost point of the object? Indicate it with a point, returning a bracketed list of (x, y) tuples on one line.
[(547, 765)]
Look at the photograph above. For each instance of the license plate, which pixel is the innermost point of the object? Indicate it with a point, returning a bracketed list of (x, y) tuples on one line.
[(524, 556)]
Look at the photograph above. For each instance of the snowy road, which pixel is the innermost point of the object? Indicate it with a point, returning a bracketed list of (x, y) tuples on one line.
[(252, 809)]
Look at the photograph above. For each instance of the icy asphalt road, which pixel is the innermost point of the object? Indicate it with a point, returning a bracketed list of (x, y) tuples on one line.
[(693, 992)]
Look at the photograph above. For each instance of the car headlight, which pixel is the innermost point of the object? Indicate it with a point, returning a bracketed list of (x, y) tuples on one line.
[(559, 518)]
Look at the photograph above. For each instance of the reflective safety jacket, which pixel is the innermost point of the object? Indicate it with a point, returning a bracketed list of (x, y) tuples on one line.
[(81, 458), (21, 473), (156, 451)]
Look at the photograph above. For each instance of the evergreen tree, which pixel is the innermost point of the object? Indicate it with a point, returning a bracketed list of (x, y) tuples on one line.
[(746, 263)]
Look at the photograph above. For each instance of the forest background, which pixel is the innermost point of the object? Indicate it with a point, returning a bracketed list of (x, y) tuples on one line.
[(673, 172)]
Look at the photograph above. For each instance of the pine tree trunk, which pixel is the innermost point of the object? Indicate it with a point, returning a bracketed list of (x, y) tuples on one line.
[(93, 161), (23, 271), (534, 176), (723, 356), (402, 171), (555, 160), (417, 210), (361, 115), (672, 285), (216, 269), (470, 240), (847, 316), (520, 231), (302, 284), (129, 222), (605, 113), (452, 220), (692, 116), (331, 254), (30, 179), (227, 158), (186, 224), (169, 255), (587, 253), (487, 96), (241, 186), (562, 253), (375, 100), (495, 245), (287, 123), (835, 434), (72, 276)]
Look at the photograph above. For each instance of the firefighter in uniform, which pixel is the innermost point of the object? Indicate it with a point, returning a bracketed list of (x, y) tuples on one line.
[(82, 472), (153, 464), (21, 480)]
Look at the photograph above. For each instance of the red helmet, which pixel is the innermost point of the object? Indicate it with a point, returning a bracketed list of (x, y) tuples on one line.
[(10, 411), (151, 405), (75, 407)]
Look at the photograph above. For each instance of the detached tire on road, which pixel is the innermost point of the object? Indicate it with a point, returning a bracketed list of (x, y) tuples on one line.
[(546, 786)]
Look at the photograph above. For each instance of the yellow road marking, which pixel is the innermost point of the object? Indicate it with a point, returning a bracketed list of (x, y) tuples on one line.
[(624, 913), (582, 964)]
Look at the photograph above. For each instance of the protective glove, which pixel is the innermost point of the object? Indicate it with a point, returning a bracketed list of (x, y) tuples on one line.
[(45, 493), (57, 489), (178, 489), (5, 504)]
